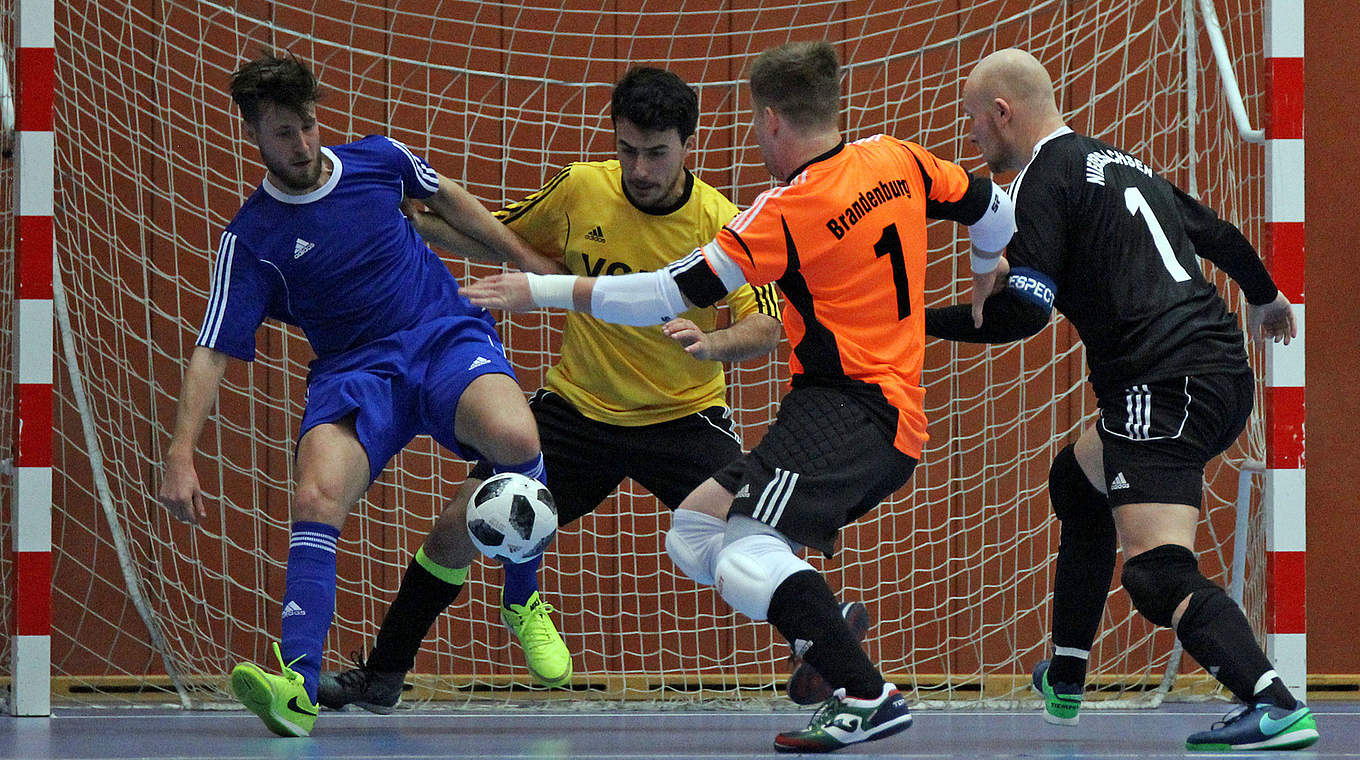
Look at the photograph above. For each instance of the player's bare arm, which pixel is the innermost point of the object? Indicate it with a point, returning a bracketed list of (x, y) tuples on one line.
[(463, 213), (435, 231), (180, 492), (754, 335)]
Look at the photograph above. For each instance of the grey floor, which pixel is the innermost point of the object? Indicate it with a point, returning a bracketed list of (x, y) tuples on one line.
[(225, 735)]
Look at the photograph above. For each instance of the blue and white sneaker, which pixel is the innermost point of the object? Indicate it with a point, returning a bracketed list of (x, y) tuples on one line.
[(1261, 726), (1062, 701), (843, 720)]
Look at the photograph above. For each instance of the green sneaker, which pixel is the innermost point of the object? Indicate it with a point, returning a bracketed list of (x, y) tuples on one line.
[(280, 701), (544, 651), (1062, 701), (844, 720)]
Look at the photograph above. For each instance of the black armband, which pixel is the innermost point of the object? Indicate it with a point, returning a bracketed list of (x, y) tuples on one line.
[(1019, 311)]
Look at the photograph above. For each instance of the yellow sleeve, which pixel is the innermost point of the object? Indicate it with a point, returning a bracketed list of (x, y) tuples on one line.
[(541, 218), (749, 299)]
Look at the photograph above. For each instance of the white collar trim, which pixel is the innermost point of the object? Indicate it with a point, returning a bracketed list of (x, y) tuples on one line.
[(315, 195), (1059, 132)]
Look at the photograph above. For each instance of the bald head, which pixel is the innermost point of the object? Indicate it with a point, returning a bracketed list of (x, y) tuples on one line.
[(1009, 96)]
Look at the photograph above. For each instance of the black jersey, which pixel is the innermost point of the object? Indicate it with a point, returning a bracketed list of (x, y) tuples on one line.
[(1119, 243)]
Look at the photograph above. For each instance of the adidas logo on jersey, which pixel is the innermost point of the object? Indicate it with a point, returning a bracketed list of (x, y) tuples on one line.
[(596, 234), (1119, 483), (301, 248), (800, 647), (479, 361), (293, 609), (744, 493)]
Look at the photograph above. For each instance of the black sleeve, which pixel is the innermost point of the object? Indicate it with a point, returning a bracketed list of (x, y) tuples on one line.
[(966, 210), (1225, 245), (1006, 317)]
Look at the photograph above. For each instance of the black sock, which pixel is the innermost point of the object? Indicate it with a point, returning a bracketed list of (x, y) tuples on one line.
[(420, 601), (1216, 633), (1081, 583), (803, 607)]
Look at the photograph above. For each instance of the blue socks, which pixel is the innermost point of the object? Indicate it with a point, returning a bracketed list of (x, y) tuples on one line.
[(521, 580), (308, 599)]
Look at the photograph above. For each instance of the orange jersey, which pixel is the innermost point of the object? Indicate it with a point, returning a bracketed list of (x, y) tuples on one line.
[(845, 240)]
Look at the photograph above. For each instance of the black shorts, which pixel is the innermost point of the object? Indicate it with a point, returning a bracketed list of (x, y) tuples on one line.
[(587, 459), (1158, 436), (822, 465)]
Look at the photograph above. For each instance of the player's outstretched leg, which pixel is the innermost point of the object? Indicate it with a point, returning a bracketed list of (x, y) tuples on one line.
[(1062, 701), (806, 685), (1260, 726), (1214, 631), (280, 701)]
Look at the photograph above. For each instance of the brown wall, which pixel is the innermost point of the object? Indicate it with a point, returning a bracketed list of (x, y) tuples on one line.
[(1333, 324)]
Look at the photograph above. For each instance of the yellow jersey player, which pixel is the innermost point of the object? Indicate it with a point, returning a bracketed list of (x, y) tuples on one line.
[(622, 402)]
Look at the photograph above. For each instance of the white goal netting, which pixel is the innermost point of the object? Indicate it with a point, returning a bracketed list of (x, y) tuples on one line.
[(152, 163)]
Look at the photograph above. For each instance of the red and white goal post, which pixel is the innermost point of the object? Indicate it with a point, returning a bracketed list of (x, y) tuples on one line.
[(151, 163)]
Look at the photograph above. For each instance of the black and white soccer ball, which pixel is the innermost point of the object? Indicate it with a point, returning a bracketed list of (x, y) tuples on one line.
[(511, 517)]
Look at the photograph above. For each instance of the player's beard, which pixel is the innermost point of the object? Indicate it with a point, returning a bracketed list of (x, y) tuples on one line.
[(298, 179)]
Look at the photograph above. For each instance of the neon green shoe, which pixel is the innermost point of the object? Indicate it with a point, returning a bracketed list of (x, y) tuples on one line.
[(544, 651), (280, 701)]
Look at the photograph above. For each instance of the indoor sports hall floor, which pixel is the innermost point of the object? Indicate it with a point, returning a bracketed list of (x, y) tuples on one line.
[(85, 734)]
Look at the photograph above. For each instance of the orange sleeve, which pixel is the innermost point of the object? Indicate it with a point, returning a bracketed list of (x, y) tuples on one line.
[(947, 181), (755, 239)]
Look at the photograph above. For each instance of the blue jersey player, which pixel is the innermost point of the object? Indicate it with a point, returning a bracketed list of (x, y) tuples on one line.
[(323, 244)]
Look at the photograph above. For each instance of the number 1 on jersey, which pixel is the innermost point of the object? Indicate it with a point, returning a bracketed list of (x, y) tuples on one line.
[(890, 245), (1133, 198)]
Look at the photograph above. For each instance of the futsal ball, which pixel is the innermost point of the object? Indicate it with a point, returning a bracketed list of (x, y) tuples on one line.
[(511, 517)]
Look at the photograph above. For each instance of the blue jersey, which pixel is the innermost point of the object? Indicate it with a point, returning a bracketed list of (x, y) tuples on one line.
[(340, 262)]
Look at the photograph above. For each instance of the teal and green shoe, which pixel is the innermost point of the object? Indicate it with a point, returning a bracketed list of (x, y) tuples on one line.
[(281, 701), (1062, 701), (1260, 726)]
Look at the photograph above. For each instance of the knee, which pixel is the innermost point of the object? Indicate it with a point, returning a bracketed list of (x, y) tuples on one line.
[(1159, 579), (1072, 494), (512, 444), (693, 543), (750, 569), (314, 503)]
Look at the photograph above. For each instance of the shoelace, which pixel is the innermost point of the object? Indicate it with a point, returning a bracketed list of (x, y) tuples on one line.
[(536, 633), (358, 677), (287, 668), (829, 707), (1233, 716)]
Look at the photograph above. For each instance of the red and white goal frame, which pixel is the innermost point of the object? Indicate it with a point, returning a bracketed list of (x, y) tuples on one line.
[(71, 460)]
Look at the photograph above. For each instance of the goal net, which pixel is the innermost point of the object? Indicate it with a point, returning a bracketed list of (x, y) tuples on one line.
[(956, 569)]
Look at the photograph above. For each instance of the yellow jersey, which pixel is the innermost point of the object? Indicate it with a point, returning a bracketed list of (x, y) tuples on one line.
[(618, 374)]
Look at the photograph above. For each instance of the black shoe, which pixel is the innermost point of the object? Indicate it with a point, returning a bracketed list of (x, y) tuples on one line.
[(372, 690)]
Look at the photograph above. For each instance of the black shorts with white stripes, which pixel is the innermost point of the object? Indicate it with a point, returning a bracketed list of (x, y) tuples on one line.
[(1158, 436), (587, 459), (822, 465)]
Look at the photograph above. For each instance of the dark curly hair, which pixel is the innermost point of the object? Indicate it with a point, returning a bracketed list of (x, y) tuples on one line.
[(655, 99)]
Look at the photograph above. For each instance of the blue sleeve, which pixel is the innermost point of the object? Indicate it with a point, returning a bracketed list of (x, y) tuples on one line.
[(418, 179), (238, 301)]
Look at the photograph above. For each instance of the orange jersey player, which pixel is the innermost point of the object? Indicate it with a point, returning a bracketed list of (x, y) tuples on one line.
[(845, 240)]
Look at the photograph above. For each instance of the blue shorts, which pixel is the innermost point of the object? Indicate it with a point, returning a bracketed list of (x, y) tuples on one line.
[(405, 385)]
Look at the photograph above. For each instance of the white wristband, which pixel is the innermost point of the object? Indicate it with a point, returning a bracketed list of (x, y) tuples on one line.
[(552, 290), (984, 264)]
